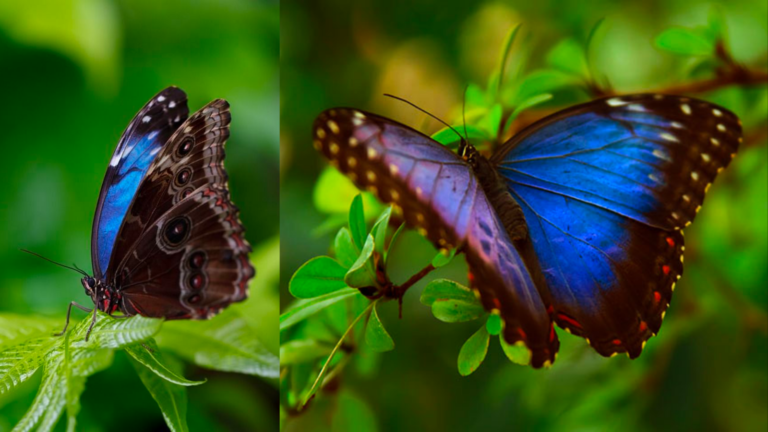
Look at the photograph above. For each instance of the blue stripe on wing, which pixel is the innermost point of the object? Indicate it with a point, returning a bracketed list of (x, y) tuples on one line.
[(146, 134)]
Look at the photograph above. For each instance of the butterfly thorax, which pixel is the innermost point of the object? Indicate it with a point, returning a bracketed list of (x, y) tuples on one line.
[(509, 211), (105, 297)]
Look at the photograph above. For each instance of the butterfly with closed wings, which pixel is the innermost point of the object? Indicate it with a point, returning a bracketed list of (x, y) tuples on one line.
[(167, 241), (576, 221)]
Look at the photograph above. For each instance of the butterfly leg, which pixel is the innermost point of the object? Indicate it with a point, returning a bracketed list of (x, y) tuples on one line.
[(69, 312), (93, 322)]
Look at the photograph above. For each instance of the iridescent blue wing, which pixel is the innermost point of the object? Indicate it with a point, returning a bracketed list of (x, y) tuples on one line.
[(146, 134), (440, 196), (606, 188)]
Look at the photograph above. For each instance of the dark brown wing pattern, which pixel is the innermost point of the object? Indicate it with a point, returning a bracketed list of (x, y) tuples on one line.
[(182, 246)]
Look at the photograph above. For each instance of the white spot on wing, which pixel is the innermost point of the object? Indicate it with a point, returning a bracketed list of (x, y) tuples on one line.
[(717, 112), (171, 104), (676, 125), (661, 154), (668, 137), (636, 107), (146, 119), (614, 102), (720, 127), (686, 109), (160, 98)]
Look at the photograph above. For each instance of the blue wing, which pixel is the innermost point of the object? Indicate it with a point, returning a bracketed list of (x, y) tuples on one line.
[(440, 195), (606, 188), (146, 134)]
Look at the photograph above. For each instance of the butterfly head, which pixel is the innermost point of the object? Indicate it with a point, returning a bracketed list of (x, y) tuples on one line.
[(468, 152), (101, 294)]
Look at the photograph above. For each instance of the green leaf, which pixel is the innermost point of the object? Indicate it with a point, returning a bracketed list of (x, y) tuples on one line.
[(357, 221), (526, 104), (18, 362), (392, 241), (443, 258), (539, 82), (226, 343), (18, 328), (595, 34), (379, 230), (473, 352), (315, 385), (50, 400), (492, 120), (451, 301), (476, 97), (153, 360), (317, 277), (303, 310), (109, 332), (493, 325), (452, 311), (300, 351), (504, 57), (685, 42), (448, 137), (345, 248), (376, 335), (352, 414), (517, 353), (568, 56), (79, 364), (361, 273), (444, 289), (171, 398)]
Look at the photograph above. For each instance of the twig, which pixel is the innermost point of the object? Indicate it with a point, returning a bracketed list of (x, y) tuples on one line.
[(335, 349), (399, 291)]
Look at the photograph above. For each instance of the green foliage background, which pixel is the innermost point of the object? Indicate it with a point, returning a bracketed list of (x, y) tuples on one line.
[(707, 369), (74, 73)]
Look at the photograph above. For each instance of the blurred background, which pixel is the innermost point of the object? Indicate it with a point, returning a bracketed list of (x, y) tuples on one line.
[(707, 369), (74, 74)]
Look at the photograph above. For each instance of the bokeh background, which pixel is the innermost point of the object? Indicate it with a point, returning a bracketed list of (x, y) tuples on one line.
[(707, 369), (74, 73)]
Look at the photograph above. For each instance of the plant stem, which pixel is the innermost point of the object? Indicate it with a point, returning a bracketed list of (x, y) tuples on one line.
[(312, 390), (399, 291)]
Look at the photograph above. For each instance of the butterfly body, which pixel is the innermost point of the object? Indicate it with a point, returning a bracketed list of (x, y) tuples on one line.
[(167, 241), (577, 220)]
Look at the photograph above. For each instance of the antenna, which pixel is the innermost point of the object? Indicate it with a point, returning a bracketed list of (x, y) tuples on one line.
[(75, 268), (425, 112)]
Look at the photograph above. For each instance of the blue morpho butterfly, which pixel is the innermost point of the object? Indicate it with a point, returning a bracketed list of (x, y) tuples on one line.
[(166, 239), (576, 220)]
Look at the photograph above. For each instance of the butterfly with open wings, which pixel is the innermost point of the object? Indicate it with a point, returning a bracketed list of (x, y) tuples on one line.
[(576, 221), (167, 241)]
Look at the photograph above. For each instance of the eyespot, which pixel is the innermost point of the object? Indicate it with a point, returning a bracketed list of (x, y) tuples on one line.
[(177, 230), (185, 193), (196, 281), (185, 146), (197, 260), (183, 176)]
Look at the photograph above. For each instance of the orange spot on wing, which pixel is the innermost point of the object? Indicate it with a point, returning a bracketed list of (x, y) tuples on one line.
[(569, 320), (643, 326), (657, 296), (496, 303), (522, 334), (551, 332), (665, 269), (616, 342), (671, 242)]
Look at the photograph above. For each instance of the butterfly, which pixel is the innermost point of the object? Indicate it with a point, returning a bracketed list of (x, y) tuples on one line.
[(576, 221), (167, 241)]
